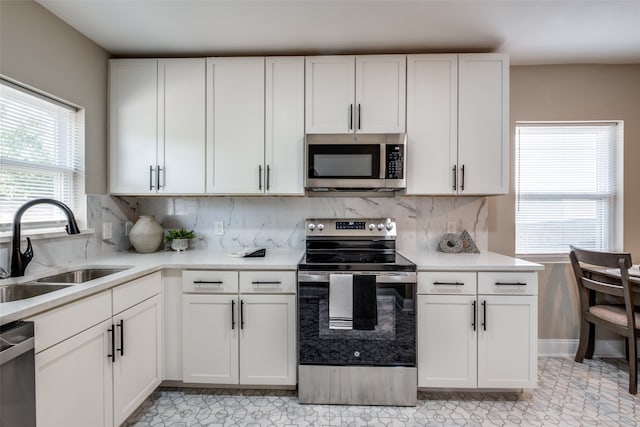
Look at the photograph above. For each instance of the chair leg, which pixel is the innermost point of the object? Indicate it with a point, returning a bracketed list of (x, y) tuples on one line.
[(592, 341), (633, 365), (583, 344), (626, 348)]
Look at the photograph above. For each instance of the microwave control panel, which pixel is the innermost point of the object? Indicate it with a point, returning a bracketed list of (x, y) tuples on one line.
[(394, 161)]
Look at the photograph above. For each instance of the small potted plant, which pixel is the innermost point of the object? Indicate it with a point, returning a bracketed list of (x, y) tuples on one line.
[(179, 239)]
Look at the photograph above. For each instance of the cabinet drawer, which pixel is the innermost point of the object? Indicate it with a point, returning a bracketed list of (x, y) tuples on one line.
[(61, 323), (136, 291), (268, 282), (447, 282), (209, 281), (512, 283)]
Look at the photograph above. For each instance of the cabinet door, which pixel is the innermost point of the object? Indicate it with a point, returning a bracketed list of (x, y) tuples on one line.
[(73, 381), (268, 339), (235, 123), (181, 130), (284, 125), (432, 124), (483, 124), (507, 342), (447, 341), (380, 93), (330, 94), (133, 99), (138, 368), (210, 339)]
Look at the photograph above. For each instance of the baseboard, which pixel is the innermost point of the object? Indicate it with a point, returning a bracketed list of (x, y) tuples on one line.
[(568, 347)]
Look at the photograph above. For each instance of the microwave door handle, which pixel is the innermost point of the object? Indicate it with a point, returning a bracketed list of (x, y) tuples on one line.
[(383, 161)]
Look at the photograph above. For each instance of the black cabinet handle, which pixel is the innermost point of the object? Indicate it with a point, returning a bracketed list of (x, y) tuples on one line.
[(455, 177), (260, 177), (449, 283), (484, 315), (121, 326), (259, 282), (112, 356), (233, 316), (350, 116), (475, 315), (359, 117), (510, 284), (268, 177), (158, 178), (208, 282), (241, 314), (150, 177), (462, 183)]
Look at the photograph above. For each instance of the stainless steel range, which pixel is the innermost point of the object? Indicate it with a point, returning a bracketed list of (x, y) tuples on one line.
[(356, 315)]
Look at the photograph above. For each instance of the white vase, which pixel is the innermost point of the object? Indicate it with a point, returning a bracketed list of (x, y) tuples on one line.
[(146, 234), (180, 244)]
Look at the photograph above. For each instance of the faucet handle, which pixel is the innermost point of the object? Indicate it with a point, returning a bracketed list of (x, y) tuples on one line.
[(27, 255)]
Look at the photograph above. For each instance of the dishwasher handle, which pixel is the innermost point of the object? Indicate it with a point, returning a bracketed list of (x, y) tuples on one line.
[(18, 339)]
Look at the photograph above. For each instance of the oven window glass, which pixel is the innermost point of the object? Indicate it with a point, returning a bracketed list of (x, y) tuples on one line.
[(344, 161), (387, 338)]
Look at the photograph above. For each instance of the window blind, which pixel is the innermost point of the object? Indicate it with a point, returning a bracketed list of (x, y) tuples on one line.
[(41, 155), (565, 187)]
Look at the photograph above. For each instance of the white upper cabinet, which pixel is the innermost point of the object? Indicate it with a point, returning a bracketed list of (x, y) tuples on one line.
[(362, 94), (255, 141), (483, 123), (157, 126), (432, 123), (284, 125), (235, 141), (457, 124)]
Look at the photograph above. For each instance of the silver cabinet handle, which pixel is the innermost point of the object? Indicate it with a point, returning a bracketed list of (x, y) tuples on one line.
[(260, 177)]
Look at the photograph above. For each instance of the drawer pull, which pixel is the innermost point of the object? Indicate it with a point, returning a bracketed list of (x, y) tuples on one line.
[(475, 315), (112, 332), (206, 283), (510, 284), (258, 283), (449, 283), (233, 316), (121, 326), (484, 315)]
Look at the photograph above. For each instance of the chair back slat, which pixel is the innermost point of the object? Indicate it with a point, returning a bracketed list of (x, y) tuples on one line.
[(605, 288), (603, 259)]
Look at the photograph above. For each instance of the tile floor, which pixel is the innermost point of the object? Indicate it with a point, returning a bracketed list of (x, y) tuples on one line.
[(568, 394)]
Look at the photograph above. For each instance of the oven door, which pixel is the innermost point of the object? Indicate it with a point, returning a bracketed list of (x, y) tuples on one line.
[(379, 328), (345, 166)]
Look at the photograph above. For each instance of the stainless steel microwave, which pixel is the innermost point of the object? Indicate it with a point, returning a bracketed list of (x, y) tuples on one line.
[(355, 162)]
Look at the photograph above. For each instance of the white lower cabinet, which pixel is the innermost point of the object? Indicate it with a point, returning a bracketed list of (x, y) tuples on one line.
[(98, 373), (477, 336), (239, 338)]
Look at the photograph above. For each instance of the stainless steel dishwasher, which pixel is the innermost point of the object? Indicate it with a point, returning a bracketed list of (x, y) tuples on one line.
[(17, 375)]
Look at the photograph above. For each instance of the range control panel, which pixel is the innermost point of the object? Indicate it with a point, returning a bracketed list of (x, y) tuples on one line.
[(331, 227)]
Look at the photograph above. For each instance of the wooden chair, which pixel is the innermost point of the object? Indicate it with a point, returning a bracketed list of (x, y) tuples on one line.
[(623, 319)]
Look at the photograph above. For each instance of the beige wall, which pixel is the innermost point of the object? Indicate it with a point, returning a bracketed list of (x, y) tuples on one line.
[(42, 51), (572, 92)]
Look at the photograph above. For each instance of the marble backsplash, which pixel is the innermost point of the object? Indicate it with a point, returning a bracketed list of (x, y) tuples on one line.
[(258, 221)]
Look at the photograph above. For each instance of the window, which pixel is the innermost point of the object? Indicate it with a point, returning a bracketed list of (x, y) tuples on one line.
[(568, 187), (41, 155)]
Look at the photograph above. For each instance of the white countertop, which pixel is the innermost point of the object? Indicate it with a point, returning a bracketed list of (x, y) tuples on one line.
[(276, 259), (486, 261)]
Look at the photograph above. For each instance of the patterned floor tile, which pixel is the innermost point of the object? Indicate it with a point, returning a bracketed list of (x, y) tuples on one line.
[(569, 394)]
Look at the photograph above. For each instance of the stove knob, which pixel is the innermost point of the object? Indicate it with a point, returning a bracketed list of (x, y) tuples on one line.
[(312, 227), (389, 226), (320, 227), (381, 226), (372, 227)]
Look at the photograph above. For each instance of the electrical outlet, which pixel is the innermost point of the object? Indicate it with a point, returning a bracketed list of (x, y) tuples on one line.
[(451, 227), (107, 231), (219, 228)]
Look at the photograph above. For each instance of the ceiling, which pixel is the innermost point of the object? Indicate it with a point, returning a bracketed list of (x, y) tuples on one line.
[(530, 31)]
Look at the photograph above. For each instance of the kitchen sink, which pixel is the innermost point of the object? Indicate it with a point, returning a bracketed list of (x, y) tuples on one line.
[(21, 291), (81, 275)]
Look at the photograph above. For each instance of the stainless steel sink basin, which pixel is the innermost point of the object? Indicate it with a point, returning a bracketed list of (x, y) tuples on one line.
[(81, 275), (21, 291)]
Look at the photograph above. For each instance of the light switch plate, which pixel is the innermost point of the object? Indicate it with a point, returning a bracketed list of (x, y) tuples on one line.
[(107, 231), (219, 228)]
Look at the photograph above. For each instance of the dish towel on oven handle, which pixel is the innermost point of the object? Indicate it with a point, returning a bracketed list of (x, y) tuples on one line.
[(340, 301)]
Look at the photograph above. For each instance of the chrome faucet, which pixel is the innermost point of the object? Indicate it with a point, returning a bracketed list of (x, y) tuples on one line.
[(20, 260)]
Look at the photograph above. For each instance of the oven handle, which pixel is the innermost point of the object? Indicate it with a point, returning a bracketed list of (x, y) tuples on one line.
[(381, 276)]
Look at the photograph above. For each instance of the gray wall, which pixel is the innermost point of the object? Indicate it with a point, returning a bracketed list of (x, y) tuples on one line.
[(40, 50)]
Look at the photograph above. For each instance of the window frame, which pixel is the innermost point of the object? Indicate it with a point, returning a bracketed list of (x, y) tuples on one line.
[(616, 204)]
